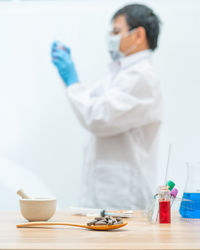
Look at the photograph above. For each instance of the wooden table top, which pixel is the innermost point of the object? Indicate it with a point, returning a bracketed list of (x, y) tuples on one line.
[(138, 234)]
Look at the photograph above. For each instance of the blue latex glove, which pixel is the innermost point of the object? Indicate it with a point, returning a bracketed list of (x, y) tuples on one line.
[(61, 58)]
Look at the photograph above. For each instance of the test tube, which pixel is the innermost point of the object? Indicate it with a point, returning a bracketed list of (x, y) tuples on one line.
[(171, 185), (173, 194), (59, 45)]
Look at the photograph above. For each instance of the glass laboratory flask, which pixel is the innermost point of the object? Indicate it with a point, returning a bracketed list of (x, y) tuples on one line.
[(190, 203)]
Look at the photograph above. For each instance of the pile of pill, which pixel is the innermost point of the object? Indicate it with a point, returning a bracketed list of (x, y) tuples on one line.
[(107, 220)]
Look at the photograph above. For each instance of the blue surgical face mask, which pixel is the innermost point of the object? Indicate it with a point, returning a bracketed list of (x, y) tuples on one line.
[(114, 46)]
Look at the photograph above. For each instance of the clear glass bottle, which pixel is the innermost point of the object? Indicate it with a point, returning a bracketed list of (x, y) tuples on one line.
[(164, 205), (190, 204)]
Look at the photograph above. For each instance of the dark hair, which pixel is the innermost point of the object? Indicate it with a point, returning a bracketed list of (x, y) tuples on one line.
[(140, 15)]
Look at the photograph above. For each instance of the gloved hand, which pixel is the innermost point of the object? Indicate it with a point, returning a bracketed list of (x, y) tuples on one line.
[(61, 58)]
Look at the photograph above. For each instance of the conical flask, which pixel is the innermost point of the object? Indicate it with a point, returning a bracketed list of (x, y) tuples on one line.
[(190, 204)]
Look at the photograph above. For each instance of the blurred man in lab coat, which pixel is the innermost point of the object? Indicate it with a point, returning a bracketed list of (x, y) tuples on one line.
[(122, 112)]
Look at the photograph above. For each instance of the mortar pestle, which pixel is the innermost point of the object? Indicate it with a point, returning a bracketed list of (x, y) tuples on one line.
[(36, 209)]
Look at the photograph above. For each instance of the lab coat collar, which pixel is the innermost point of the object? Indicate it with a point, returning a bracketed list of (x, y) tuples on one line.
[(134, 58), (131, 59)]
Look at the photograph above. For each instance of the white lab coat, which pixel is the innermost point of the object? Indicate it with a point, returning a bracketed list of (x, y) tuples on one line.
[(123, 115)]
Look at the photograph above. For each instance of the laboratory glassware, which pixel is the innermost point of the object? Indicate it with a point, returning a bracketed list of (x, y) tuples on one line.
[(190, 204), (164, 205)]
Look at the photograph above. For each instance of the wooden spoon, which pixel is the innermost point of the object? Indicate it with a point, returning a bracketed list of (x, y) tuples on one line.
[(93, 227)]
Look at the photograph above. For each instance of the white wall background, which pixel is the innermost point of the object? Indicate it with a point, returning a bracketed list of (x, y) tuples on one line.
[(40, 139)]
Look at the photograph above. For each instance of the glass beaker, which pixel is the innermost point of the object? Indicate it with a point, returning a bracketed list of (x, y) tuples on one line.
[(190, 204)]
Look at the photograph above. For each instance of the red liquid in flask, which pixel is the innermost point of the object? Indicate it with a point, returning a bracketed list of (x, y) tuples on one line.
[(164, 212)]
